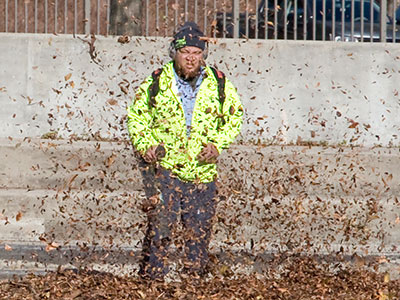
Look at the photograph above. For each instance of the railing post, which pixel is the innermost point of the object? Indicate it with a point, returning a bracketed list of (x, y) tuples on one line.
[(126, 17), (6, 15), (87, 16), (235, 15), (383, 24)]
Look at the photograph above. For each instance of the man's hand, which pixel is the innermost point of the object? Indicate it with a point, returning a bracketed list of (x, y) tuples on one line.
[(208, 154), (154, 153)]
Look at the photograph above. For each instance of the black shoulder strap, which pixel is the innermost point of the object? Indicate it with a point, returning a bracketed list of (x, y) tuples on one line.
[(220, 76), (154, 87)]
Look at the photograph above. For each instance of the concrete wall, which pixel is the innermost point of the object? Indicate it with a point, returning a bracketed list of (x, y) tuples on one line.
[(332, 93)]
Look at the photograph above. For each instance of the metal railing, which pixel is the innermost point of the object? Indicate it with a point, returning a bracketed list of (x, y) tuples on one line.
[(55, 16), (336, 20), (162, 17)]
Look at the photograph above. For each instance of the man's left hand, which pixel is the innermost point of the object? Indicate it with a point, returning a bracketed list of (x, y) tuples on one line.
[(208, 154)]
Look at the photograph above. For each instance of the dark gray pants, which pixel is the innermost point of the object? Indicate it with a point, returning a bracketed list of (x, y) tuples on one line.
[(195, 205)]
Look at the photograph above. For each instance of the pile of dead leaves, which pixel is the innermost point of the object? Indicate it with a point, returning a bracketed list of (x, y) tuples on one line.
[(301, 279)]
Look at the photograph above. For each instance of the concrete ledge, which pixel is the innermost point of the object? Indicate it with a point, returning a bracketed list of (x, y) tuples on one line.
[(33, 258), (62, 164)]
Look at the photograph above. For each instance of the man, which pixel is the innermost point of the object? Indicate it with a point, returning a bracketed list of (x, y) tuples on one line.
[(181, 119)]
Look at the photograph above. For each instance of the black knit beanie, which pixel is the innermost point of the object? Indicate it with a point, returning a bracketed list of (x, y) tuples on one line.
[(189, 35)]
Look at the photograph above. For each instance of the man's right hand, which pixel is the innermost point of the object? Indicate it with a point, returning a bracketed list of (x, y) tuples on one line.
[(154, 153)]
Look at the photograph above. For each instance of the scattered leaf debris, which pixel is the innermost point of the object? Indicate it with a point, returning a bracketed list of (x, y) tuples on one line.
[(300, 278)]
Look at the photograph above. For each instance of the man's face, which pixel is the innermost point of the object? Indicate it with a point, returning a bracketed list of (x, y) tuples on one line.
[(188, 61)]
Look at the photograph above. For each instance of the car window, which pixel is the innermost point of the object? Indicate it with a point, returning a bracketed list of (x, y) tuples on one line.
[(291, 5), (261, 7), (347, 10), (367, 11)]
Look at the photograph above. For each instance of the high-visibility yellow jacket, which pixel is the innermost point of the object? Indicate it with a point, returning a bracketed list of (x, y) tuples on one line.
[(164, 122)]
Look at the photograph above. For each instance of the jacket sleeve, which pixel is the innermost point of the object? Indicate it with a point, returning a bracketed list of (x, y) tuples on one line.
[(232, 112), (140, 119)]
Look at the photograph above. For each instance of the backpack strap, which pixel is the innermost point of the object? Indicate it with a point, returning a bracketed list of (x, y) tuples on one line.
[(220, 77), (154, 87)]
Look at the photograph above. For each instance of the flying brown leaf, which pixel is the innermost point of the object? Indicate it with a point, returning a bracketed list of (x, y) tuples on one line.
[(111, 160), (353, 124), (112, 101), (123, 39), (68, 76), (51, 246), (18, 216)]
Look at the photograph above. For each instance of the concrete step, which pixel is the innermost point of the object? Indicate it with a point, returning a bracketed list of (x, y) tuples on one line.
[(22, 259), (48, 164), (108, 217), (264, 224), (313, 170), (60, 165)]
